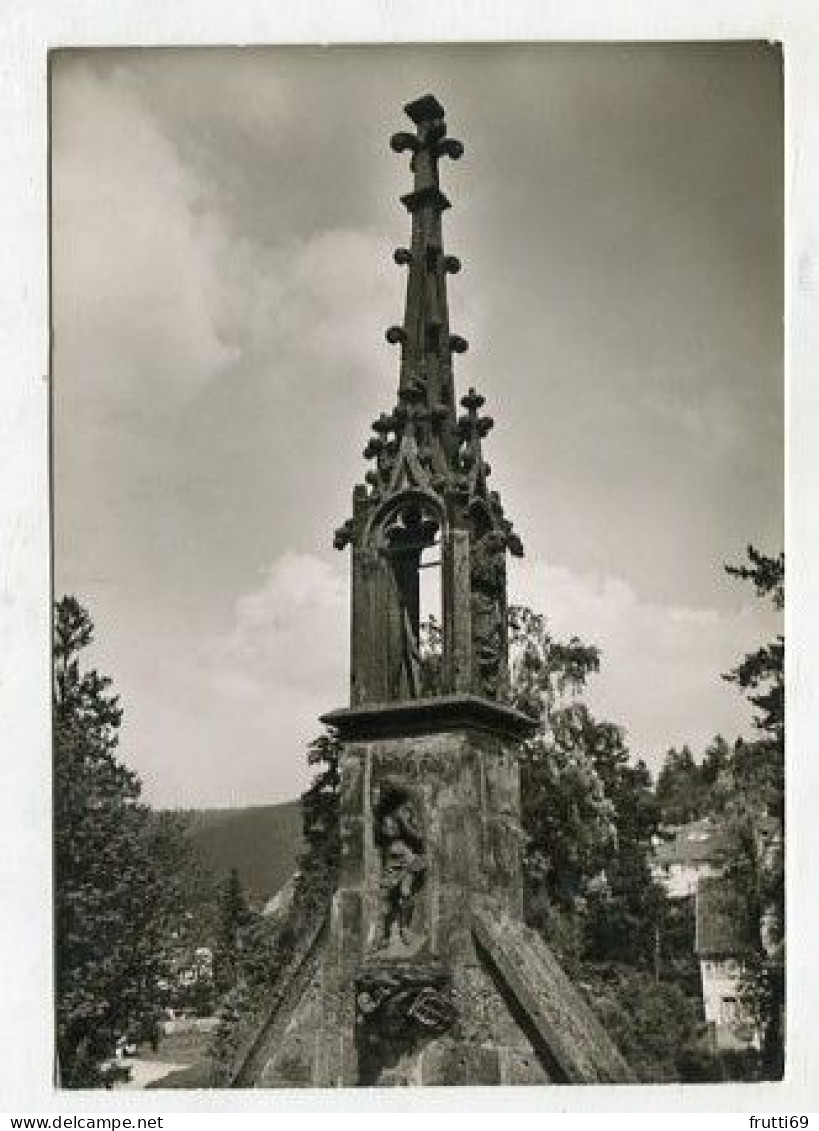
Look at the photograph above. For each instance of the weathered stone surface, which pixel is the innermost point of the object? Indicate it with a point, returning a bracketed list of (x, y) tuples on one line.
[(351, 817), (484, 1017), (336, 1060), (502, 859), (466, 844), (447, 1063), (292, 1054), (292, 1065), (502, 775), (517, 1017), (570, 1040), (454, 934), (519, 1067), (290, 1025)]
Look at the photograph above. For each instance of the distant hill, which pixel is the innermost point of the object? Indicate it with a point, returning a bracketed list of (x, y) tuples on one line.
[(262, 842)]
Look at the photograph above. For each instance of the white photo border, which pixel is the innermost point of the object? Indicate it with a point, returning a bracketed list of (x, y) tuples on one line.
[(29, 32)]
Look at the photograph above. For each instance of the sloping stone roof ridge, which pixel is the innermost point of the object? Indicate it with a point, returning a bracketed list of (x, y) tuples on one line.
[(283, 1001), (565, 1031)]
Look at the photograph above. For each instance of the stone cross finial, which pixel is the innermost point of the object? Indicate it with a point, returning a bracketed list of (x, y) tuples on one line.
[(426, 343)]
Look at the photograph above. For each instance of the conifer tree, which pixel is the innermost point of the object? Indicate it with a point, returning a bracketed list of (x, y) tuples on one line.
[(108, 886), (752, 796), (233, 916)]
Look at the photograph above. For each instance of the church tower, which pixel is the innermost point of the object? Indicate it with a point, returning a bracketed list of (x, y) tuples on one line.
[(426, 973)]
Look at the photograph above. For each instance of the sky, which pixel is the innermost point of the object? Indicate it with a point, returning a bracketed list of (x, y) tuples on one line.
[(222, 231)]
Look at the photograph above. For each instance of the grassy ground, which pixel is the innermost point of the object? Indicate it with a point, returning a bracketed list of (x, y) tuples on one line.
[(188, 1047), (194, 1076), (186, 1057)]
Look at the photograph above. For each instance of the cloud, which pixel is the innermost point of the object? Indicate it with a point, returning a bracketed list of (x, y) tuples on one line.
[(136, 279), (157, 288), (215, 718), (249, 697), (306, 311), (290, 632), (661, 665)]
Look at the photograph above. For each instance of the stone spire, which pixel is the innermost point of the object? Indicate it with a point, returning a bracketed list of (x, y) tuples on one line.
[(423, 971), (427, 486), (426, 343)]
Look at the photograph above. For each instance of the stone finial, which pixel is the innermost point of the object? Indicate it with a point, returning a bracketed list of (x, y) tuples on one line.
[(343, 535), (401, 141), (472, 402)]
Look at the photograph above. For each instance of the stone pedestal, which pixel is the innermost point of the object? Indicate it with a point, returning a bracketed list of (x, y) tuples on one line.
[(430, 804), (426, 974)]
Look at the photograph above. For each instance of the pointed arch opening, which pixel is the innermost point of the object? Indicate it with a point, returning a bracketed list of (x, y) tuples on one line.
[(408, 534)]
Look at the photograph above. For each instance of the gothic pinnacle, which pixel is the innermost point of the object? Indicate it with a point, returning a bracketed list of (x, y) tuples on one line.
[(426, 452), (426, 344)]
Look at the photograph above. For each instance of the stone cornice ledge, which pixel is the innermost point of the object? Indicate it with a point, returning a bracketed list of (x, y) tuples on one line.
[(428, 716)]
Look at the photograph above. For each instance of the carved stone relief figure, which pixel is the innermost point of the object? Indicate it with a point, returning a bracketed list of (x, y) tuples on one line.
[(399, 1007), (399, 839), (487, 579)]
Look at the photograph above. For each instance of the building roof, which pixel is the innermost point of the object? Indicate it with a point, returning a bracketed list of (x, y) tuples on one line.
[(721, 930), (698, 842)]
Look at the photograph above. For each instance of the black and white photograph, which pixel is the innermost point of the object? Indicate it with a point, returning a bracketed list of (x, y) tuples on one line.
[(417, 433)]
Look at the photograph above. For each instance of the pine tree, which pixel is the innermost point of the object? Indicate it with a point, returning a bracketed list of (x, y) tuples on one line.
[(234, 915), (107, 883), (679, 791), (753, 799), (320, 820)]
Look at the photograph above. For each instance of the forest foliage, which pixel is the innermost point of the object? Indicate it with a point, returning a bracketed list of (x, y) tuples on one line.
[(122, 872)]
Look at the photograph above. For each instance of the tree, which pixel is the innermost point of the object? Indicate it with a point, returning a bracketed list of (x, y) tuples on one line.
[(188, 915), (715, 763), (752, 798), (590, 813), (108, 885), (625, 912), (320, 822), (233, 915), (653, 1024), (679, 790), (568, 820)]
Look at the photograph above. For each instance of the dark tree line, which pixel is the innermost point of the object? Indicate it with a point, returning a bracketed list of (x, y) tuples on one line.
[(118, 871), (751, 804), (741, 787)]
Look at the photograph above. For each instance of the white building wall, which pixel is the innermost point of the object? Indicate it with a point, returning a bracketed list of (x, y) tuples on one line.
[(720, 987), (680, 880), (733, 1028)]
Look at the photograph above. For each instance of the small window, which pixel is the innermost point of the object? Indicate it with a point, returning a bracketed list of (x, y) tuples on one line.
[(728, 1011)]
